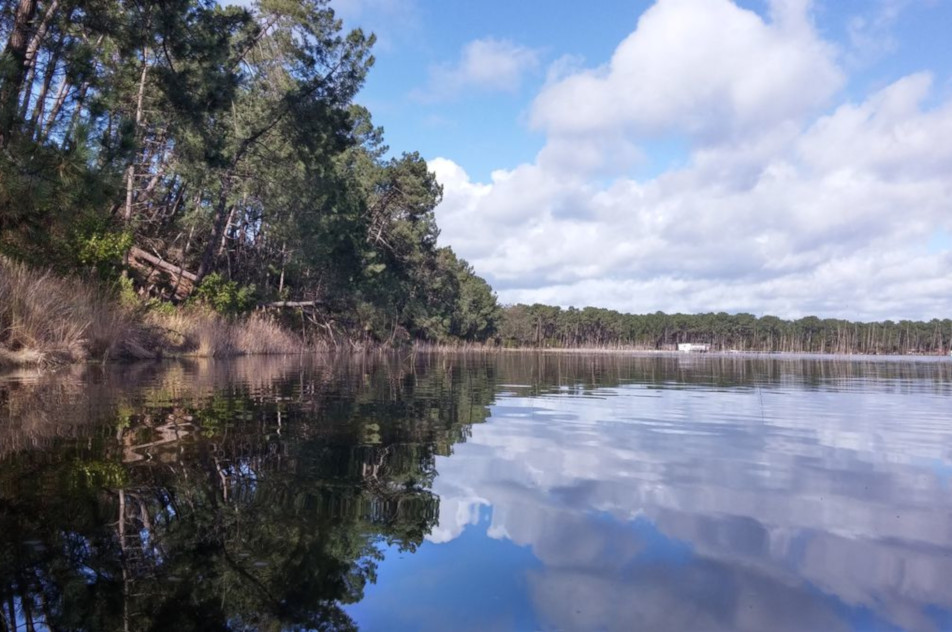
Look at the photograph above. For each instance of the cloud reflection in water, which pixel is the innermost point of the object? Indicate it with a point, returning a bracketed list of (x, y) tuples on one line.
[(788, 506)]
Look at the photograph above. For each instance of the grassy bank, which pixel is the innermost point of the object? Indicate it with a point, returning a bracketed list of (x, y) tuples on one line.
[(47, 320)]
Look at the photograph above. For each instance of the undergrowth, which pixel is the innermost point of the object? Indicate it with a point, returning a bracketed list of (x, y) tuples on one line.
[(46, 319)]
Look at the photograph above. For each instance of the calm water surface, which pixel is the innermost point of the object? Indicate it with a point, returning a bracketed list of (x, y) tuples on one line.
[(469, 492)]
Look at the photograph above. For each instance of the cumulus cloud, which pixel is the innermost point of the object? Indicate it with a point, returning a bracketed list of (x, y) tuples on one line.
[(486, 65), (708, 69), (783, 204)]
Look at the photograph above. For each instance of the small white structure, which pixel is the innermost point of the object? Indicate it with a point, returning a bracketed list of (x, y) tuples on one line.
[(693, 347)]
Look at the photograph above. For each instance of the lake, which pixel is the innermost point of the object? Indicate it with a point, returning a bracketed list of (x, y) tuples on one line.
[(500, 491)]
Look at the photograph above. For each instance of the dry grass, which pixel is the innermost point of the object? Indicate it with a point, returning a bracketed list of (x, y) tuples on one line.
[(259, 334), (47, 320), (200, 332)]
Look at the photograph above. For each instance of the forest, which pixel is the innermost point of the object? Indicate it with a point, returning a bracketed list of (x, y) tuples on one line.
[(183, 152), (186, 150), (546, 326)]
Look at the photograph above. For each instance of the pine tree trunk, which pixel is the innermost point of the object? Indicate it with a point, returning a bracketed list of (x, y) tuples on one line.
[(130, 170), (13, 79), (32, 52)]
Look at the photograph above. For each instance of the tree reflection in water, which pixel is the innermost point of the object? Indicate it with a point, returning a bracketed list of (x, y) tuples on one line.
[(249, 495), (262, 493)]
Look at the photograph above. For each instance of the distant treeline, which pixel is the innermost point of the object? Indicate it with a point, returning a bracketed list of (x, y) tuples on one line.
[(546, 326), (197, 150)]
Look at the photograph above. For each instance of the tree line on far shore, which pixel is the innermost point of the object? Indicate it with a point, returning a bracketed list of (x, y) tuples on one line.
[(552, 327)]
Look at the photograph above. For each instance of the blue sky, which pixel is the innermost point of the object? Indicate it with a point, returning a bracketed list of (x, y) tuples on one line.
[(481, 128), (484, 129), (771, 156)]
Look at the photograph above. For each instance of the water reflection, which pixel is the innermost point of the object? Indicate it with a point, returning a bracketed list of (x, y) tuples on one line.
[(479, 492), (218, 496), (712, 494)]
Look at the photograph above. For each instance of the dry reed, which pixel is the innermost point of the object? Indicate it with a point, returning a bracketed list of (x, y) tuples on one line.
[(201, 332), (45, 319), (48, 320)]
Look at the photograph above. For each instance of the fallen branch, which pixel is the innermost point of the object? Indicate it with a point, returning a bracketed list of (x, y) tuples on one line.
[(171, 268), (292, 304), (185, 281)]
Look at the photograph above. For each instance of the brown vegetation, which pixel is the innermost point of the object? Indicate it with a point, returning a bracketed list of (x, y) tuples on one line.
[(48, 320), (45, 319), (202, 332)]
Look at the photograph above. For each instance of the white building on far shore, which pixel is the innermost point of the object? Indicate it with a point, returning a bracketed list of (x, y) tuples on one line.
[(693, 347)]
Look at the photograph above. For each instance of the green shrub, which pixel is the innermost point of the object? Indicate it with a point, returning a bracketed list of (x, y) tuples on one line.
[(126, 292), (226, 297), (103, 250)]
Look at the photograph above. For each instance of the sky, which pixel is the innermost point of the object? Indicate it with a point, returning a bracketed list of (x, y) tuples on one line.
[(785, 157)]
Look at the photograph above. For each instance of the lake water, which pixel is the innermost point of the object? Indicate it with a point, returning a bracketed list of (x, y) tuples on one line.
[(479, 492)]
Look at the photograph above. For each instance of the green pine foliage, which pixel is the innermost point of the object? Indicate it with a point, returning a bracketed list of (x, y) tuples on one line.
[(224, 296), (226, 143)]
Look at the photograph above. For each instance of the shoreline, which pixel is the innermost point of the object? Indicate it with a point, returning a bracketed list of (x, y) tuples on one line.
[(664, 352), (47, 321), (51, 359)]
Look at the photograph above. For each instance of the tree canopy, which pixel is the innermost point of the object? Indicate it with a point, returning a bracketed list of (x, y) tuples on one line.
[(182, 140)]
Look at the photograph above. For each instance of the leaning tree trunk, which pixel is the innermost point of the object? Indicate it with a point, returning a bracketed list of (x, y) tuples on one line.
[(131, 169)]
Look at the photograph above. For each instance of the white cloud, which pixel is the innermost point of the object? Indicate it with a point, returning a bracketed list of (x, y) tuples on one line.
[(781, 206), (661, 459), (485, 64), (705, 68), (889, 136)]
